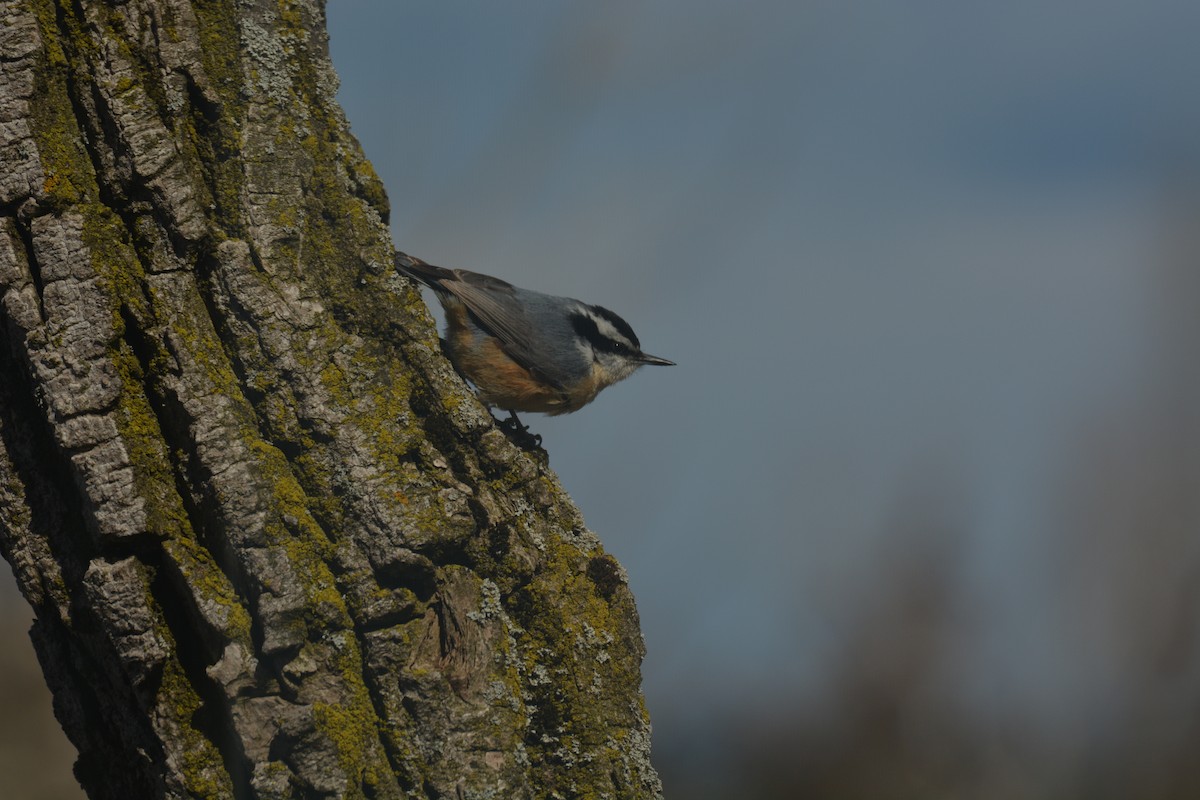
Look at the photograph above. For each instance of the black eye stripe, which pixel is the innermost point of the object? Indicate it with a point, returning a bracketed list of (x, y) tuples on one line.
[(586, 327)]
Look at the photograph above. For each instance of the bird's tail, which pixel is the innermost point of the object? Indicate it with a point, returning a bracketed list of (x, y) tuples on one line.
[(418, 270)]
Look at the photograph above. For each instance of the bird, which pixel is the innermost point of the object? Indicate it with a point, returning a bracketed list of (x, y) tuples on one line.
[(525, 350)]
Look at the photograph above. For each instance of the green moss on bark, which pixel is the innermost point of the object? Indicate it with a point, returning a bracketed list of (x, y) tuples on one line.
[(68, 174), (216, 112), (580, 667), (203, 770)]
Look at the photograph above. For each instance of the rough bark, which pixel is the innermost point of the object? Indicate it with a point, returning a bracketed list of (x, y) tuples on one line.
[(274, 546)]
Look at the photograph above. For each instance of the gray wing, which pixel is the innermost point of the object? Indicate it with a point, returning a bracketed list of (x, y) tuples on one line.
[(496, 307)]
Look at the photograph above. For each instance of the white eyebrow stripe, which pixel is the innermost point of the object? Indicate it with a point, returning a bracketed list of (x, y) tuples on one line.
[(607, 329)]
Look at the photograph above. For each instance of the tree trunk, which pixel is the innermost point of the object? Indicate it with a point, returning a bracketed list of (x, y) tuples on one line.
[(274, 545)]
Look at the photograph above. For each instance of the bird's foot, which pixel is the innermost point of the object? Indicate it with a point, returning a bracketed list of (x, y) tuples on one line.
[(519, 434)]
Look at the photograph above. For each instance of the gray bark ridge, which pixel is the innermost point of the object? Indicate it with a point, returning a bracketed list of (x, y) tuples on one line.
[(274, 546)]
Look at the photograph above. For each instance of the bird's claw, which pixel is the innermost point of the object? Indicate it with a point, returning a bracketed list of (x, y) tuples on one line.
[(519, 433)]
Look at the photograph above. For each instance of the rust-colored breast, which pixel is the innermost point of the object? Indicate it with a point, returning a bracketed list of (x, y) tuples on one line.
[(502, 382)]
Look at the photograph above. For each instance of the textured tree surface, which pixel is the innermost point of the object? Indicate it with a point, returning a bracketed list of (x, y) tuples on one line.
[(274, 546)]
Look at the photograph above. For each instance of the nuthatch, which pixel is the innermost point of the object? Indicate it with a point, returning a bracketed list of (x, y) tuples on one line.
[(528, 351)]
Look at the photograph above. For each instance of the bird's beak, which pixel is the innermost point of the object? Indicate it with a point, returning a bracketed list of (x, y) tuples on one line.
[(646, 358)]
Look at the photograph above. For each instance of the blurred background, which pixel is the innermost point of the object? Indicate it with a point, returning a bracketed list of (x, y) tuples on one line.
[(918, 513)]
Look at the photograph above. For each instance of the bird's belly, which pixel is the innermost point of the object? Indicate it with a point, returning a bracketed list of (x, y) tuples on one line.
[(501, 381)]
